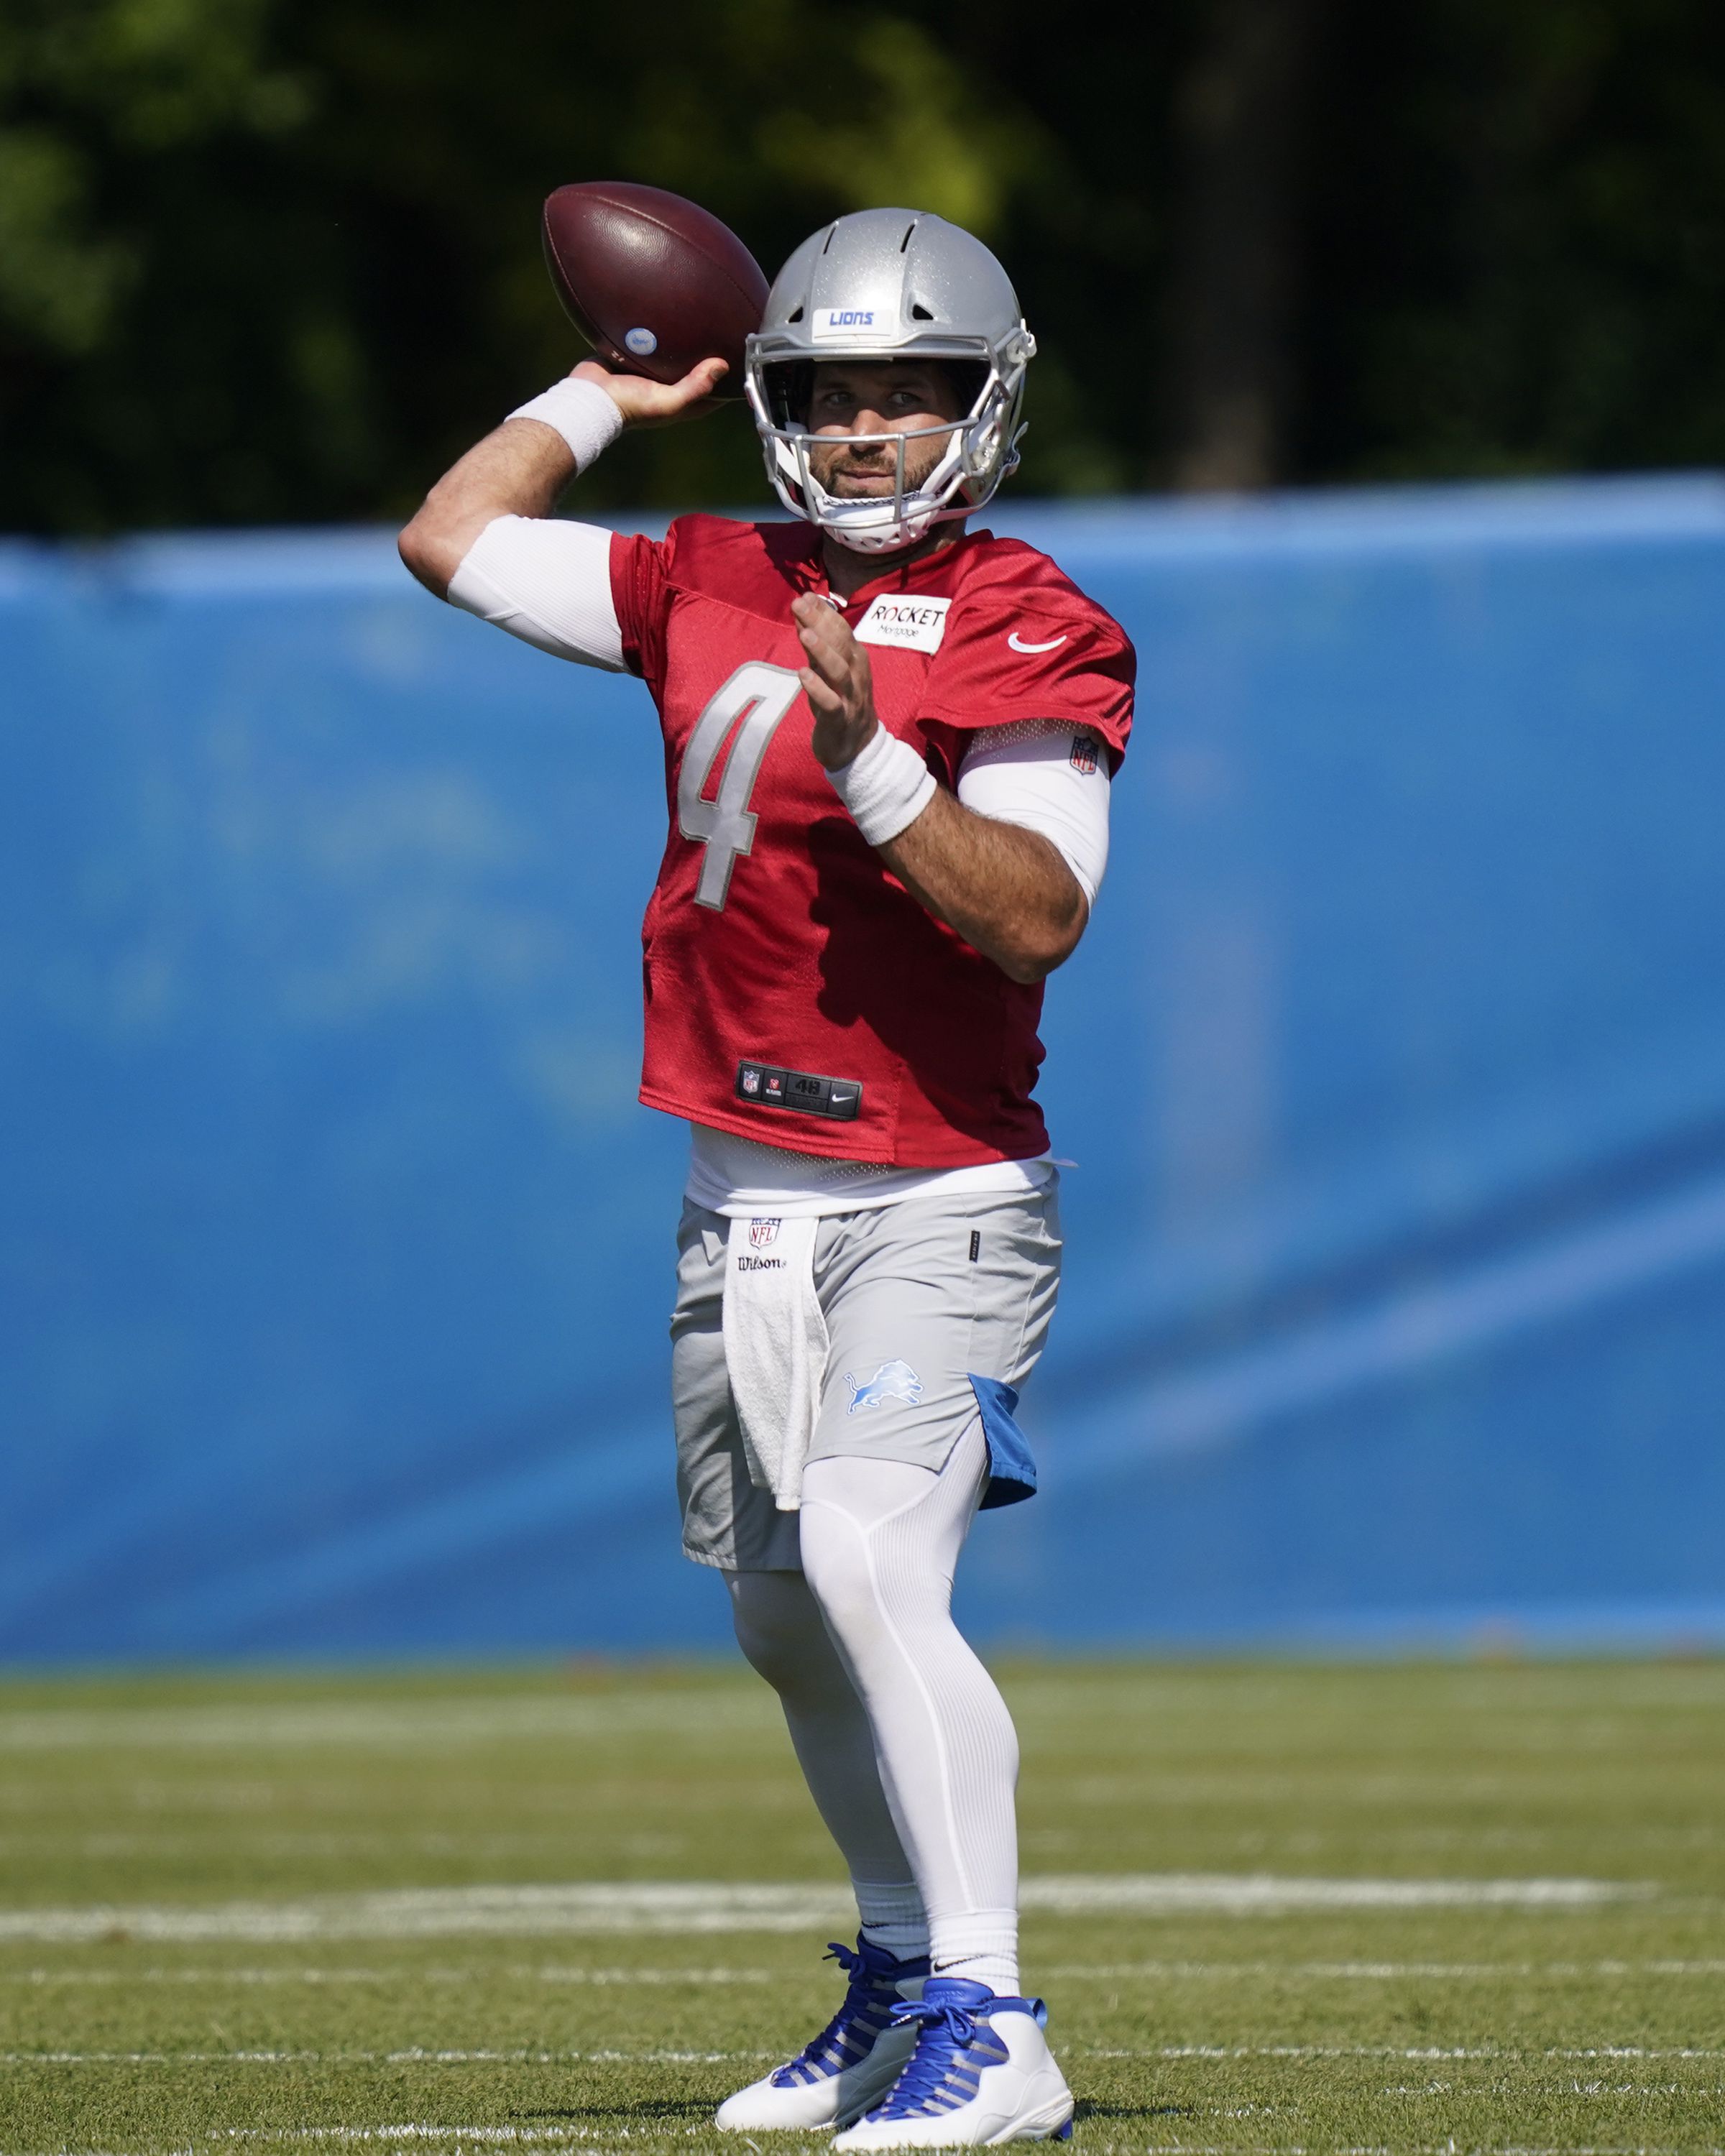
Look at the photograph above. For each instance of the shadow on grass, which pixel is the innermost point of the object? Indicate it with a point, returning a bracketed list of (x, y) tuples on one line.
[(647, 2109)]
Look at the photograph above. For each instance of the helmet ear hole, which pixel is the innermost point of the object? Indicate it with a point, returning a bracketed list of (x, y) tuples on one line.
[(969, 377)]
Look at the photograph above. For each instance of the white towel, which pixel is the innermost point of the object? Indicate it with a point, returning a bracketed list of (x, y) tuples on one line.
[(775, 1348)]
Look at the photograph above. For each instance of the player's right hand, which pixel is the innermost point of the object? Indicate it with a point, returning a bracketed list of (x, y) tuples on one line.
[(645, 404)]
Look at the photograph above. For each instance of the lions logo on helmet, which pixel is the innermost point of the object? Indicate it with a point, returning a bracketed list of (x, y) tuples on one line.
[(883, 285)]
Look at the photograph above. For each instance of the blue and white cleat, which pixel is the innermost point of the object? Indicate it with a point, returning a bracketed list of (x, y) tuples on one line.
[(982, 2073), (851, 2064)]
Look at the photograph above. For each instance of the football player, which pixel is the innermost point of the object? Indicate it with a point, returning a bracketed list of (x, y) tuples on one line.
[(889, 743)]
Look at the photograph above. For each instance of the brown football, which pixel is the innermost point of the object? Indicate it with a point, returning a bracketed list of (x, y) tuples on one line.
[(654, 283)]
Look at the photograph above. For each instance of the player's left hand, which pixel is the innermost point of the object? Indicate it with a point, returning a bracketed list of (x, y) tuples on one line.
[(837, 681)]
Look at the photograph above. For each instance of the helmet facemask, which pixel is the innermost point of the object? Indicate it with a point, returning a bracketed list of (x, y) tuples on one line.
[(981, 446)]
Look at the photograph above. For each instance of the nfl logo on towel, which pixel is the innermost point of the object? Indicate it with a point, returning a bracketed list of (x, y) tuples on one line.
[(762, 1232)]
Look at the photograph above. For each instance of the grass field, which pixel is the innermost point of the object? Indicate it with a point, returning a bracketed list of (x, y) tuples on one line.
[(258, 1913)]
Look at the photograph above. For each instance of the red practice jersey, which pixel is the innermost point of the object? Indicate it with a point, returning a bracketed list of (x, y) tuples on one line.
[(795, 992)]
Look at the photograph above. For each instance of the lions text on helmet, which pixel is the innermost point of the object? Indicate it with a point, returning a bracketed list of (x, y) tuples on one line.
[(904, 292)]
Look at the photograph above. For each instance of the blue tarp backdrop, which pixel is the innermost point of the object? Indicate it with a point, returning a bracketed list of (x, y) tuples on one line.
[(336, 1248)]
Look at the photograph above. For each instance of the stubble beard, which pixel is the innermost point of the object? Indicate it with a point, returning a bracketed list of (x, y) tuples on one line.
[(838, 468)]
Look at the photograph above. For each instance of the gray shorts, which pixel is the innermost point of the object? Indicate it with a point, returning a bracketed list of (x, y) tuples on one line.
[(948, 1290)]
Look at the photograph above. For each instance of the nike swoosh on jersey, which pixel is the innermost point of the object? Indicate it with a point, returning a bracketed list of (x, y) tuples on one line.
[(1018, 646)]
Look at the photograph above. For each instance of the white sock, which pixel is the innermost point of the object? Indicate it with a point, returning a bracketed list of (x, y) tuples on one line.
[(999, 1968), (879, 1540), (892, 1917)]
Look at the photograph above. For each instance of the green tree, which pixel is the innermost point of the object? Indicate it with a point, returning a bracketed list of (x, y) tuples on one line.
[(263, 262), (295, 289), (1520, 260)]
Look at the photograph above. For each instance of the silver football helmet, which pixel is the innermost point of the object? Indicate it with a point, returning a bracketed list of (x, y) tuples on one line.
[(881, 284)]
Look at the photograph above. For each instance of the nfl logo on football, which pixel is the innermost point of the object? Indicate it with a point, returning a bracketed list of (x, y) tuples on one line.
[(762, 1232)]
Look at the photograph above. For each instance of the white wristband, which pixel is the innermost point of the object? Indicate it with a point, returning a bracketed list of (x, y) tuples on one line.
[(885, 787), (582, 413)]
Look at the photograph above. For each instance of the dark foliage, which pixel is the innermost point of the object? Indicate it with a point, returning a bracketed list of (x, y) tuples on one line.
[(262, 263)]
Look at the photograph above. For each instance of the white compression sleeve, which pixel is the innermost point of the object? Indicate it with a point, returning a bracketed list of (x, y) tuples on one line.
[(1050, 778), (547, 582), (879, 1540), (779, 1629)]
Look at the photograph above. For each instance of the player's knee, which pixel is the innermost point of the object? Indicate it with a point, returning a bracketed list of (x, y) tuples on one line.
[(835, 1564), (778, 1626)]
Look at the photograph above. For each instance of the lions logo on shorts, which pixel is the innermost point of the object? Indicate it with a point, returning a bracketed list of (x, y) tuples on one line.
[(892, 1381)]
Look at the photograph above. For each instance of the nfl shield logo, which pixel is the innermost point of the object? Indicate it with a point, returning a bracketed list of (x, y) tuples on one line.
[(1084, 752), (762, 1232), (751, 1081)]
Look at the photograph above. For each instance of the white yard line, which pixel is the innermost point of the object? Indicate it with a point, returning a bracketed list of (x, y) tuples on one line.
[(1430, 2053), (437, 1913), (1155, 1893), (1374, 1972), (716, 1906), (487, 2136), (696, 1711), (492, 2136), (403, 1973), (427, 2055), (413, 2056), (1125, 1972)]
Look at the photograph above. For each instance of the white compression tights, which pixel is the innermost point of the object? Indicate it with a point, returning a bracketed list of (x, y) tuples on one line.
[(908, 1749)]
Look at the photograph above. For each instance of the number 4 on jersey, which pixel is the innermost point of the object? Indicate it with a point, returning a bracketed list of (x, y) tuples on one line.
[(760, 695)]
